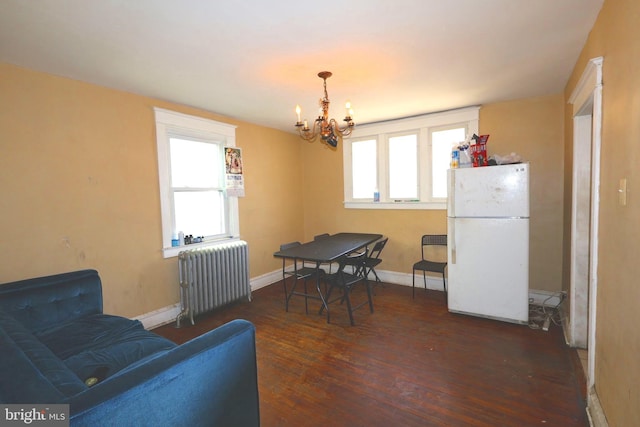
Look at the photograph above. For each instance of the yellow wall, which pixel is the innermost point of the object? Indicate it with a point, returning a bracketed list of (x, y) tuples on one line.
[(532, 127), (79, 188), (616, 37)]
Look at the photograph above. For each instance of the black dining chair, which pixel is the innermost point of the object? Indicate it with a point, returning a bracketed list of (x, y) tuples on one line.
[(345, 282), (372, 258), (298, 272), (431, 264)]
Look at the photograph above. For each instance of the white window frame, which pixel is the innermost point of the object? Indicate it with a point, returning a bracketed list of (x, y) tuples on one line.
[(170, 124), (423, 126)]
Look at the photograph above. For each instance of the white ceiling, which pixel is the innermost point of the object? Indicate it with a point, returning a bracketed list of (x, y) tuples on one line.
[(254, 60)]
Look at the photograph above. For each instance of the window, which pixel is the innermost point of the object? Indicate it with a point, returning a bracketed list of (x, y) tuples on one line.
[(191, 169), (442, 142), (364, 170), (403, 167), (405, 161)]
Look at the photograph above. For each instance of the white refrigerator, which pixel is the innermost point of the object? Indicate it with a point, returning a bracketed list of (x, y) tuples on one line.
[(488, 242)]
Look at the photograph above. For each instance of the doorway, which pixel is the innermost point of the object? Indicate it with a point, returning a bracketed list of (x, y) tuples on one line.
[(587, 122)]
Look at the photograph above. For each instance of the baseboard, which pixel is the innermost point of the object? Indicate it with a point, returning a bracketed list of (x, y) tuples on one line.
[(265, 279), (537, 297), (565, 325), (159, 317), (406, 279), (168, 314), (594, 410)]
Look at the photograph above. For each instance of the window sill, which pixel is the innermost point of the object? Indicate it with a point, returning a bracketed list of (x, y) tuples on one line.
[(397, 205), (174, 251)]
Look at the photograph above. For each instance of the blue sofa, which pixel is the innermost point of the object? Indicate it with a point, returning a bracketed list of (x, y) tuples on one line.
[(57, 347)]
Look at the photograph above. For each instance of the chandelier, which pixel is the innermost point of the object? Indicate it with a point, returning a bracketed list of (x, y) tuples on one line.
[(328, 129)]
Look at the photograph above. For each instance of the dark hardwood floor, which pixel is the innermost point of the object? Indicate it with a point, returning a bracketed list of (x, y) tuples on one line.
[(410, 363)]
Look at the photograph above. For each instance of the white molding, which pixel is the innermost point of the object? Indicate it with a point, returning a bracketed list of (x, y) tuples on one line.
[(594, 410), (467, 114), (595, 226), (191, 123), (590, 79), (159, 317), (169, 314), (580, 234), (587, 99), (169, 123), (381, 132), (266, 279), (396, 205)]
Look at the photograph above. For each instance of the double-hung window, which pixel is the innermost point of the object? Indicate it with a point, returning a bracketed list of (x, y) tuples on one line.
[(402, 164), (191, 169)]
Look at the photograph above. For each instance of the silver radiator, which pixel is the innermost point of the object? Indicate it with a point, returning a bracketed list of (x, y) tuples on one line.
[(212, 277)]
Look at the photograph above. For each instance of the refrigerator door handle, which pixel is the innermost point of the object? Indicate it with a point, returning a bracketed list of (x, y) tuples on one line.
[(452, 244), (451, 198)]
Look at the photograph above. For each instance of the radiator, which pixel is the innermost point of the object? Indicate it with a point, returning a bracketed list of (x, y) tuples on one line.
[(212, 277)]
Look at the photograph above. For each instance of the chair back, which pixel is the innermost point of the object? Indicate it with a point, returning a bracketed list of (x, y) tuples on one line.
[(377, 248), (285, 246), (355, 259), (433, 240)]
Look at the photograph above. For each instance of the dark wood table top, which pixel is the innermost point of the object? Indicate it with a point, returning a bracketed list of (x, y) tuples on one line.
[(329, 248)]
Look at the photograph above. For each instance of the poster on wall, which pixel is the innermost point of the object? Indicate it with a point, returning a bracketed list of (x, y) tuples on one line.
[(233, 167)]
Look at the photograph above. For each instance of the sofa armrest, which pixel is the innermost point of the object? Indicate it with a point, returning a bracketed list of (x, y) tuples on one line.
[(52, 300), (210, 380)]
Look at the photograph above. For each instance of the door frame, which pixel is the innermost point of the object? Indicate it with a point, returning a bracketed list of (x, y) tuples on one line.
[(587, 120)]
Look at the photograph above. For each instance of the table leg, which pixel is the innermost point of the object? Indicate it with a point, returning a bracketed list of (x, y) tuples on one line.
[(324, 302)]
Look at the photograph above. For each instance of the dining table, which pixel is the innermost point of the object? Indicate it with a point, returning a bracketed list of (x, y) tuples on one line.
[(326, 250)]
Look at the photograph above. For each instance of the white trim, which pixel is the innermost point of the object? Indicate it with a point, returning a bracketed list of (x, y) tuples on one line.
[(427, 120), (595, 224), (381, 132), (434, 282), (168, 314), (175, 251), (396, 205), (159, 317), (580, 237), (590, 79), (266, 279), (168, 122), (195, 123), (594, 410), (588, 92)]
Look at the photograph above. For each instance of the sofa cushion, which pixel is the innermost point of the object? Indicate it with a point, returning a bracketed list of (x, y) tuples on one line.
[(30, 372), (103, 362), (100, 345), (40, 302)]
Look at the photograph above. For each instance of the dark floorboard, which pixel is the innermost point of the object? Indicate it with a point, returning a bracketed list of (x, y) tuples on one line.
[(410, 363)]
